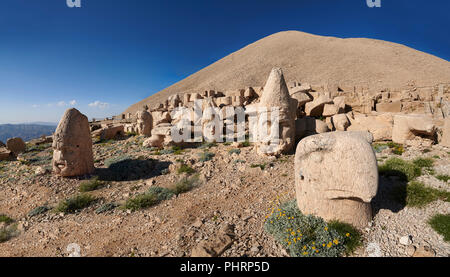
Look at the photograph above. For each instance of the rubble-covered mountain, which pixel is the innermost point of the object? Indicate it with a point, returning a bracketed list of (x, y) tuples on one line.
[(317, 60)]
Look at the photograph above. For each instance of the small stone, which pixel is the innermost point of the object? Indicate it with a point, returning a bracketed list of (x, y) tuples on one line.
[(405, 240)]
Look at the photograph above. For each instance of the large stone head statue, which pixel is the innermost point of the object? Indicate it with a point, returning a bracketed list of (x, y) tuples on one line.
[(276, 95), (144, 122), (336, 176), (72, 145)]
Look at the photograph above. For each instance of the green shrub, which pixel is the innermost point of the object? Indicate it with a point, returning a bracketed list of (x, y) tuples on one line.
[(38, 211), (246, 143), (407, 171), (75, 203), (303, 235), (436, 157), (441, 224), (352, 237), (262, 166), (426, 150), (141, 201), (416, 194), (185, 184), (8, 232), (205, 156), (5, 219), (423, 162), (443, 178), (105, 208), (207, 145), (185, 169), (91, 185), (161, 193), (379, 147), (234, 151)]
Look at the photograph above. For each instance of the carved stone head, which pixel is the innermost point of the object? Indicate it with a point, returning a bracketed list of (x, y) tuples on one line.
[(336, 176), (72, 145)]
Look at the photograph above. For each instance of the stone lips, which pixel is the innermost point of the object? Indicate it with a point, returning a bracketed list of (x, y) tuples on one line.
[(72, 145), (336, 176)]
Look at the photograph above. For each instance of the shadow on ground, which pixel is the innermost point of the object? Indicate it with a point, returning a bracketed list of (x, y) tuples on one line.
[(132, 169), (391, 193)]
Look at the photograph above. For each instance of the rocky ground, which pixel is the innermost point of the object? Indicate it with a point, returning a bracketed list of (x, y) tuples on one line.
[(235, 193)]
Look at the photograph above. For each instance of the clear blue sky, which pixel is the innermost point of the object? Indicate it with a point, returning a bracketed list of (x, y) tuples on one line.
[(109, 54)]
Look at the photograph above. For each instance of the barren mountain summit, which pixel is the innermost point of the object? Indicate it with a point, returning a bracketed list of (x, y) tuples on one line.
[(316, 60)]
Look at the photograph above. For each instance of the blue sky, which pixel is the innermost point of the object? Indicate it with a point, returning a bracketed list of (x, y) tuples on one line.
[(109, 54)]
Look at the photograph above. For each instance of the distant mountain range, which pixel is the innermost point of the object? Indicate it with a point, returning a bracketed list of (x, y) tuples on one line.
[(27, 131)]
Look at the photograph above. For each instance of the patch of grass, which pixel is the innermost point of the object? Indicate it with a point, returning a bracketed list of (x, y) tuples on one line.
[(443, 178), (407, 171), (246, 143), (239, 161), (352, 237), (426, 150), (436, 157), (207, 145), (91, 185), (227, 143), (161, 193), (105, 208), (234, 151), (75, 203), (262, 166), (141, 201), (185, 169), (185, 184), (423, 162), (205, 156), (303, 235), (8, 232), (416, 194), (441, 224), (379, 147), (131, 134), (6, 219), (177, 150), (38, 211), (397, 149)]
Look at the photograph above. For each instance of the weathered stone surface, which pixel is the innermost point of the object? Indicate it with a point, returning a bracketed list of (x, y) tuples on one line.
[(315, 108), (144, 123), (160, 117), (16, 145), (380, 126), (302, 98), (336, 176), (5, 154), (340, 122), (339, 101), (446, 133), (109, 132), (330, 110), (406, 127), (276, 95), (72, 145), (156, 140), (308, 126), (216, 245), (393, 107)]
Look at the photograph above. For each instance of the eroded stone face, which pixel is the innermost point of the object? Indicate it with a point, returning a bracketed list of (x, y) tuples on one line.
[(276, 95), (336, 176), (72, 145), (144, 122)]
